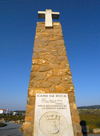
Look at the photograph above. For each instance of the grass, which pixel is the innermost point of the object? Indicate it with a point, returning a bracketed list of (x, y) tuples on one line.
[(92, 118)]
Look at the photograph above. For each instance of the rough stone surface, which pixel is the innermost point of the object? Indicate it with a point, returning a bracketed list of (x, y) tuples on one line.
[(50, 73), (44, 68), (96, 130)]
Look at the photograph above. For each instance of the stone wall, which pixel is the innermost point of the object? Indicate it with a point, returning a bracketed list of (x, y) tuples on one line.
[(50, 73)]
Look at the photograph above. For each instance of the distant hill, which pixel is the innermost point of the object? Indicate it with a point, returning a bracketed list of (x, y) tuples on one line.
[(90, 107)]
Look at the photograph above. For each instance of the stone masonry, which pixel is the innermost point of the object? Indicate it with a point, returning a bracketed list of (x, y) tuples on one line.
[(50, 73)]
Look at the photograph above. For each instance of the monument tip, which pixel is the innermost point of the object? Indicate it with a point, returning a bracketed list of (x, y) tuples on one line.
[(48, 15)]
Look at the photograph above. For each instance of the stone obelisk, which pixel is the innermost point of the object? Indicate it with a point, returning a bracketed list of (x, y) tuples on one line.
[(51, 108)]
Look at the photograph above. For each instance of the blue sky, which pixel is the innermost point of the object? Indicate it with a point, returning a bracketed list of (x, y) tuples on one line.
[(80, 20)]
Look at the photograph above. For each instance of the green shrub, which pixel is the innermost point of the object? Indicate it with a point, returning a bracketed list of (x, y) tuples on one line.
[(12, 117), (2, 124)]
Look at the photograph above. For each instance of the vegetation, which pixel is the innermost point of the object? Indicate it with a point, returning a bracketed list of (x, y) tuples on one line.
[(91, 116), (2, 124), (90, 107), (12, 117)]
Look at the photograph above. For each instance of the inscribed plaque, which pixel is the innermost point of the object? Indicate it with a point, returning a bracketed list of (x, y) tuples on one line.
[(52, 115)]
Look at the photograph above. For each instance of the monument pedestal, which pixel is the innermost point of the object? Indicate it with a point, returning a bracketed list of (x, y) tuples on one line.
[(51, 108)]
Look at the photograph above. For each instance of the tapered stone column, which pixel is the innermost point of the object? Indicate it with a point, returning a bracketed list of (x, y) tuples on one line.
[(50, 73)]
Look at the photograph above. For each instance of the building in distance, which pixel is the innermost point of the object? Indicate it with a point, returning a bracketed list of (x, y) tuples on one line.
[(4, 111)]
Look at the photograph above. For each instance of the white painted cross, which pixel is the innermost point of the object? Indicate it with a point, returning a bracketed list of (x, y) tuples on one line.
[(48, 15)]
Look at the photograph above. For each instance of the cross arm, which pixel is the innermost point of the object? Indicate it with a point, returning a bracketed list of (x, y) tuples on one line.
[(41, 14), (55, 15)]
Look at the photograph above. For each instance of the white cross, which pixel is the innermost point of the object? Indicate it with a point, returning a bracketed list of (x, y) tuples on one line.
[(48, 15)]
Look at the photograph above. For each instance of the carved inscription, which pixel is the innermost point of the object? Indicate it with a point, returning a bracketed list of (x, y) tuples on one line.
[(52, 103)]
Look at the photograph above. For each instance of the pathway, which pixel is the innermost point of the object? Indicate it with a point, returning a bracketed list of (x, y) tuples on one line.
[(12, 129)]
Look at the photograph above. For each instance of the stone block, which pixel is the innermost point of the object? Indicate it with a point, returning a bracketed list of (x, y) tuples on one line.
[(58, 31), (56, 23), (38, 61), (34, 67), (45, 84), (51, 61), (75, 119), (42, 55), (38, 36), (30, 106), (41, 49), (49, 56), (52, 89), (54, 66), (71, 96), (59, 88), (31, 101), (79, 134), (68, 86), (60, 42), (53, 48), (77, 127), (49, 72), (37, 75), (56, 37), (75, 112), (48, 75), (62, 51), (28, 118), (27, 125), (66, 78), (64, 64), (30, 109), (55, 80), (54, 52), (44, 68), (33, 83), (96, 130), (57, 27), (52, 43), (32, 92), (35, 56), (28, 132), (73, 106), (61, 58), (60, 72)]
